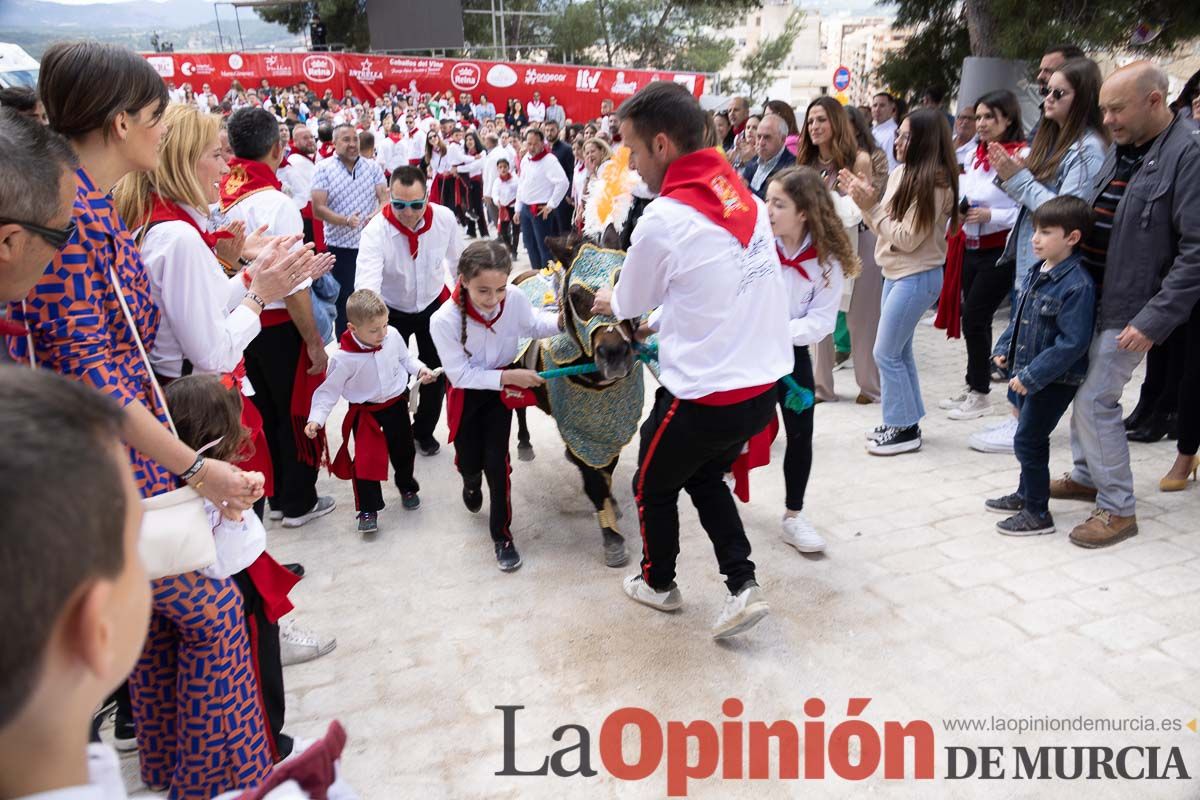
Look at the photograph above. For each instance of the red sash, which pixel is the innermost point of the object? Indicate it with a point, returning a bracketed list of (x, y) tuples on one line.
[(705, 181), (756, 453), (414, 237), (163, 209), (370, 460), (273, 581), (435, 190), (949, 308), (807, 254), (454, 409), (245, 178)]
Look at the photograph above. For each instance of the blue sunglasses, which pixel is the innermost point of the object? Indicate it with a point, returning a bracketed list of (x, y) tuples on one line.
[(401, 205)]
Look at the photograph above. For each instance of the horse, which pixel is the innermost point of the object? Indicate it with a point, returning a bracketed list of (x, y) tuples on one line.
[(597, 413)]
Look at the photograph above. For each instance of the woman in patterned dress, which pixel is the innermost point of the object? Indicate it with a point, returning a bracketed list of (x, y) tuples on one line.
[(196, 704)]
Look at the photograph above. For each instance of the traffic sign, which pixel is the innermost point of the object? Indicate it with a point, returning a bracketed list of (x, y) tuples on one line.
[(841, 78)]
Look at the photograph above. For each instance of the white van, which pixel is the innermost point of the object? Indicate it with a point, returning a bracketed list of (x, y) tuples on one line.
[(17, 68)]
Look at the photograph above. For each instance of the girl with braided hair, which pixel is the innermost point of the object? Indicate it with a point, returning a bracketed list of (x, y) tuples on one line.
[(476, 336)]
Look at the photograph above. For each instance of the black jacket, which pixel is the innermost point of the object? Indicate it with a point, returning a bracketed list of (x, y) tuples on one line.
[(786, 159)]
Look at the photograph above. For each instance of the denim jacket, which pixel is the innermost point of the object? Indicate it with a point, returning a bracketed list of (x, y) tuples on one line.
[(1047, 341), (1074, 176)]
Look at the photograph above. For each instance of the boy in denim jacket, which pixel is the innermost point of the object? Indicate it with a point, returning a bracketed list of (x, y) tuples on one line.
[(1045, 351)]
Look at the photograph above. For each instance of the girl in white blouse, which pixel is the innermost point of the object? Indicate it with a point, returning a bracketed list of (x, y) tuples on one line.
[(817, 258), (476, 336)]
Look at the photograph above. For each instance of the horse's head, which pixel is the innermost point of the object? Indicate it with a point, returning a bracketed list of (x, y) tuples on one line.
[(606, 339)]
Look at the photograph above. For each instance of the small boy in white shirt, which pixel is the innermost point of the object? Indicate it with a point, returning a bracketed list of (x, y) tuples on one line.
[(371, 369)]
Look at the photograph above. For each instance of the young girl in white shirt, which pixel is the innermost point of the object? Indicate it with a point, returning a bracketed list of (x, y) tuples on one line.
[(817, 257), (476, 336)]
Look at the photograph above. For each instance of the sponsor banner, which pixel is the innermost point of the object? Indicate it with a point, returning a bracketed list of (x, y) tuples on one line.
[(579, 90)]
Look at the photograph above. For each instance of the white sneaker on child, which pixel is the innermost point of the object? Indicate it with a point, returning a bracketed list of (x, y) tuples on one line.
[(975, 405), (800, 534), (741, 612), (995, 438), (955, 401)]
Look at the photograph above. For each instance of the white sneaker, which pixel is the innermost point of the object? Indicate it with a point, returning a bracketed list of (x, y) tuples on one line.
[(996, 438), (296, 645), (741, 612), (640, 591), (324, 506), (956, 401), (800, 534), (975, 405), (274, 514)]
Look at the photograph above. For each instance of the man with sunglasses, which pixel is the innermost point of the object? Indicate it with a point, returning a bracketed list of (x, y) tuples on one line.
[(407, 255), (1053, 57), (37, 192)]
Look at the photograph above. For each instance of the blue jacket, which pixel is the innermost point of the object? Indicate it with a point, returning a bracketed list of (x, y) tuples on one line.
[(786, 159), (1047, 341)]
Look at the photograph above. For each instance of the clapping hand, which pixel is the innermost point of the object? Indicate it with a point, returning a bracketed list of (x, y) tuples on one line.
[(857, 188), (1005, 165), (229, 248)]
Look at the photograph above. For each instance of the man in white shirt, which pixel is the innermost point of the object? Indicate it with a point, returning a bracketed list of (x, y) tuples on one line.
[(296, 175), (408, 255), (205, 98), (535, 109), (252, 193), (703, 253), (965, 141), (541, 186), (883, 115)]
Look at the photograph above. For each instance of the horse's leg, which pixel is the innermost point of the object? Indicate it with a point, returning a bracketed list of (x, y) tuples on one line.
[(524, 446), (597, 484)]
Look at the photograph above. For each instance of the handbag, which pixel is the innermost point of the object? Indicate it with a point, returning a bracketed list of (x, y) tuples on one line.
[(176, 534)]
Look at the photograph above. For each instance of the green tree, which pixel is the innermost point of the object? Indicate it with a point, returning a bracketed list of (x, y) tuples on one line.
[(345, 21), (760, 65), (1019, 29)]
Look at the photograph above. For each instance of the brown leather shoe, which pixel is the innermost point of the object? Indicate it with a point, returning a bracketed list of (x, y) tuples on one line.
[(1103, 529), (1066, 489), (863, 400)]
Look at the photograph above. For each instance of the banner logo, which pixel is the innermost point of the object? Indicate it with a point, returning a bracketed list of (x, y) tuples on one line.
[(501, 76), (464, 76), (163, 65), (235, 61), (587, 79), (319, 69)]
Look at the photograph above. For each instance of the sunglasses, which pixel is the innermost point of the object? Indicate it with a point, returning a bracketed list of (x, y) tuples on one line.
[(401, 205), (1057, 94), (55, 237)]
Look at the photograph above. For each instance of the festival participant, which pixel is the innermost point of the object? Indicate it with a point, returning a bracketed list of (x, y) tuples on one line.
[(910, 222), (109, 103), (476, 337), (36, 196), (296, 174), (407, 255), (739, 114), (541, 187), (371, 369), (285, 361), (325, 141), (817, 257), (565, 154), (504, 195), (347, 191), (883, 117), (535, 109), (470, 170), (704, 253)]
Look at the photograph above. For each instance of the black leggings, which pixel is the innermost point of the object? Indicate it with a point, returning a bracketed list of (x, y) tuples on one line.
[(984, 287), (475, 205), (397, 432), (797, 458), (429, 407), (481, 446), (1189, 387)]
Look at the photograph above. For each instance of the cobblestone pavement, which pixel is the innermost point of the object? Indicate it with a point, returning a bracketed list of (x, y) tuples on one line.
[(918, 604)]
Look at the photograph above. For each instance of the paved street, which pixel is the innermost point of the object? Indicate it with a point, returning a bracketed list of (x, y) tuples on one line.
[(918, 604)]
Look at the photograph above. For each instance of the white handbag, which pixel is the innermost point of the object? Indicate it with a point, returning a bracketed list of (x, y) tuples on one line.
[(176, 535)]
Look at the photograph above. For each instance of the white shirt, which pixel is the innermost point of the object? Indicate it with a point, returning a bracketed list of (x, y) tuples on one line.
[(966, 152), (471, 165), (274, 209), (579, 183), (489, 166), (202, 100), (373, 377), (813, 301), (455, 155), (978, 186), (196, 300), (535, 112), (385, 264), (238, 544), (541, 182), (492, 351), (396, 154), (504, 193), (416, 145), (724, 322), (296, 175), (885, 137)]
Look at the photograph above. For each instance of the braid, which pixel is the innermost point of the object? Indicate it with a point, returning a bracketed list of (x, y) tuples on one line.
[(462, 307)]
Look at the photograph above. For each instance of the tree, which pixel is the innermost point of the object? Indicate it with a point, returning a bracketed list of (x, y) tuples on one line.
[(1019, 29), (345, 20), (760, 65)]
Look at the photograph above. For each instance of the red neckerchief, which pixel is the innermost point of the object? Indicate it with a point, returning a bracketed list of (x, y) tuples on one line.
[(545, 152), (413, 131), (807, 254), (737, 129), (981, 153), (395, 137), (506, 180), (351, 345), (164, 210), (244, 178), (705, 181), (414, 237), (326, 150), (472, 312)]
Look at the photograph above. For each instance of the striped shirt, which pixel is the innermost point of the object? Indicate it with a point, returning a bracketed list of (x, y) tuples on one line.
[(1094, 249)]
